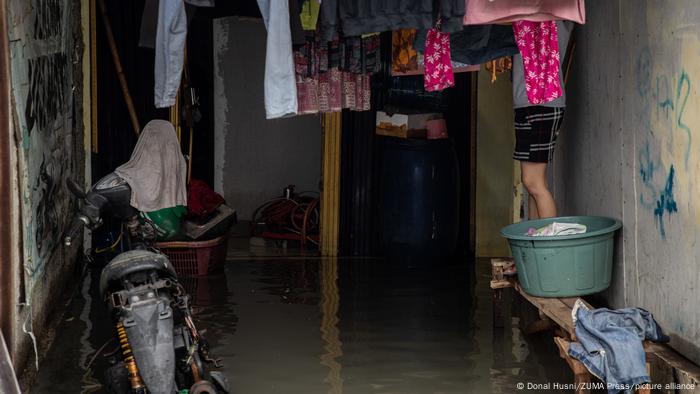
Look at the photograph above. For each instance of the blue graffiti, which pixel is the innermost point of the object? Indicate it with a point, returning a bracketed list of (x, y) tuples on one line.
[(647, 168), (663, 95), (682, 100), (644, 72), (666, 203)]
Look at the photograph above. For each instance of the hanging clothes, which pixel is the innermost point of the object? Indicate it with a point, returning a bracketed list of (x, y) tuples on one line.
[(540, 52), (201, 3), (481, 12), (438, 73), (156, 171), (171, 35), (404, 56), (477, 44), (309, 14), (520, 96), (280, 82), (295, 24), (149, 24), (335, 75), (358, 17), (328, 20), (149, 20)]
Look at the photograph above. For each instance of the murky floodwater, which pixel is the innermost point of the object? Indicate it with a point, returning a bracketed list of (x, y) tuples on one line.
[(333, 326)]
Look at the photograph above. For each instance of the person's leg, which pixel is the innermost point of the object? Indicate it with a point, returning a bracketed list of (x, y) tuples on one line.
[(535, 181), (532, 213)]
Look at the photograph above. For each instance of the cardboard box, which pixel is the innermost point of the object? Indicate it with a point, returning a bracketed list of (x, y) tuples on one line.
[(403, 125)]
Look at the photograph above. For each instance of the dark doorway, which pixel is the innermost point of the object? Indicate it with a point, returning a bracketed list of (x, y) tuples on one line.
[(361, 156)]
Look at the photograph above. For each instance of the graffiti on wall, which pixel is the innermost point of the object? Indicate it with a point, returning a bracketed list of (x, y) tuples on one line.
[(47, 84), (666, 97), (41, 50)]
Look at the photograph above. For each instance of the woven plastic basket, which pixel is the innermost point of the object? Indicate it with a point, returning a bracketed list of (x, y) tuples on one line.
[(196, 258)]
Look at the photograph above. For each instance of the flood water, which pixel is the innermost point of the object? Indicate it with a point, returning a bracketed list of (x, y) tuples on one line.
[(336, 326)]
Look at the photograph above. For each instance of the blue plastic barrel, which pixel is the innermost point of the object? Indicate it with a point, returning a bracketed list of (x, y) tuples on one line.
[(419, 197)]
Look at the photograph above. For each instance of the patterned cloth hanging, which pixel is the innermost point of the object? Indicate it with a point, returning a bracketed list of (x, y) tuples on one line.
[(335, 75), (438, 65), (539, 48)]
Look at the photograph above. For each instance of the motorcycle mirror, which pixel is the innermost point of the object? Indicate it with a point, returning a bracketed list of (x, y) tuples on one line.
[(75, 188)]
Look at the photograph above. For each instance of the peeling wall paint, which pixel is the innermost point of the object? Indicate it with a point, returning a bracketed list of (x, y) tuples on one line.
[(629, 150)]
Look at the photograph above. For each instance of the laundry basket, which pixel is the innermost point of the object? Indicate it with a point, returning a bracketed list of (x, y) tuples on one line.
[(196, 258), (564, 266)]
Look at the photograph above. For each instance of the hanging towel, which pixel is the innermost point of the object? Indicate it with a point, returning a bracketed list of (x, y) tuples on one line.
[(438, 65), (540, 52), (156, 171), (171, 35), (482, 12), (280, 84)]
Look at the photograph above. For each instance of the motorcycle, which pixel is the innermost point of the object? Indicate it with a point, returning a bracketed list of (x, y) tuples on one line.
[(162, 350)]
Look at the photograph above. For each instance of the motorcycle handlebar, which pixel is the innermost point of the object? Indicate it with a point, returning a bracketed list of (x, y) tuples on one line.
[(75, 230)]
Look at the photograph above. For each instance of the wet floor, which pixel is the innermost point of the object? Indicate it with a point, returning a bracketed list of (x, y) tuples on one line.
[(333, 326)]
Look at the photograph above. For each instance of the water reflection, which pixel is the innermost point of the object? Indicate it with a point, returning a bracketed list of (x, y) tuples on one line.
[(340, 326), (330, 304)]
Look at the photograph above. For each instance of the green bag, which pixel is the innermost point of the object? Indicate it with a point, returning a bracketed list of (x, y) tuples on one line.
[(166, 222)]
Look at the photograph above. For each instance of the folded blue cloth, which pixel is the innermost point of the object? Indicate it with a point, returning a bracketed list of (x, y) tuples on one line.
[(610, 345)]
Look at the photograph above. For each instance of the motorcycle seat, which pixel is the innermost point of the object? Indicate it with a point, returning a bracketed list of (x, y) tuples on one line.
[(134, 261)]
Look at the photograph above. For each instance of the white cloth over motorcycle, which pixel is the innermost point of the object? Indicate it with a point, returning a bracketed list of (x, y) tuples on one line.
[(156, 172)]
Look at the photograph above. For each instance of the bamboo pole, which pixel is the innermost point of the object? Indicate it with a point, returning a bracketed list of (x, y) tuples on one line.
[(118, 67), (330, 194)]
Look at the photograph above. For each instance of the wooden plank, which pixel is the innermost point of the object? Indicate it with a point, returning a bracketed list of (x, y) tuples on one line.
[(501, 284), (686, 372), (581, 374), (554, 308)]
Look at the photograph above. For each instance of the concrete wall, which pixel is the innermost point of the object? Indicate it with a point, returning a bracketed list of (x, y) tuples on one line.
[(629, 150), (495, 139), (46, 49), (255, 158)]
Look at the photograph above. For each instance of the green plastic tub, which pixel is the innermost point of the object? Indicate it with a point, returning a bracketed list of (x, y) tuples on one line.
[(564, 266)]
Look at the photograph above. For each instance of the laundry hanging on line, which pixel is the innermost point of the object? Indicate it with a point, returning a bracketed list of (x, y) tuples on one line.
[(539, 49), (477, 44), (280, 82), (481, 12), (164, 28), (335, 75), (521, 97), (357, 17)]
